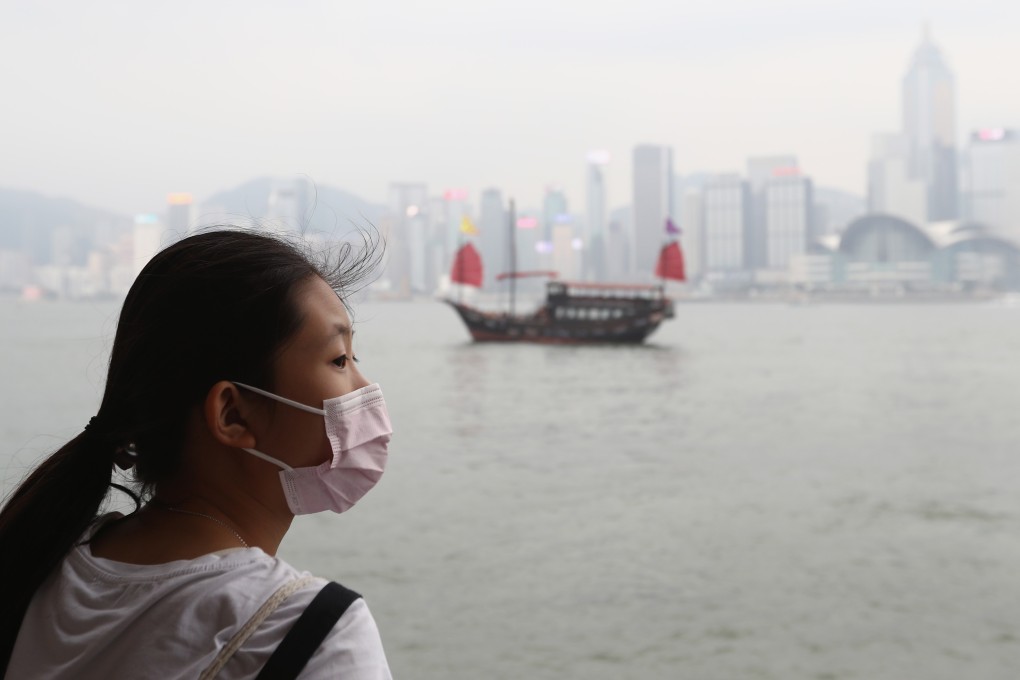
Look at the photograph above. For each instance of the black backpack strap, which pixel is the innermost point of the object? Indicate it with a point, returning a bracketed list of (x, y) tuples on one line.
[(311, 628)]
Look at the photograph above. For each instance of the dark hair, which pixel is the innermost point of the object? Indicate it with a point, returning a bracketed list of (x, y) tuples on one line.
[(217, 305)]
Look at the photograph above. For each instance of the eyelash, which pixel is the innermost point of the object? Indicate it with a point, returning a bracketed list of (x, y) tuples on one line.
[(341, 360)]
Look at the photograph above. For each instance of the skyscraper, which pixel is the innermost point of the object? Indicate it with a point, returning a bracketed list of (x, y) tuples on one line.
[(554, 207), (789, 207), (290, 204), (408, 219), (652, 204), (726, 219), (761, 170), (990, 181), (147, 239), (455, 207), (929, 126), (693, 236), (891, 190), (596, 222), (493, 235), (179, 215)]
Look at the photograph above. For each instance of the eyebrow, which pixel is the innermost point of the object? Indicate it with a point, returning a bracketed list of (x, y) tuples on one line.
[(341, 329)]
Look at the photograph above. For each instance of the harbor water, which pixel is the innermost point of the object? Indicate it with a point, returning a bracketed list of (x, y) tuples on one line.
[(760, 491)]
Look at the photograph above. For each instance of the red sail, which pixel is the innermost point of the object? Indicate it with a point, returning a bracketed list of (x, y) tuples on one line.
[(671, 263), (467, 267)]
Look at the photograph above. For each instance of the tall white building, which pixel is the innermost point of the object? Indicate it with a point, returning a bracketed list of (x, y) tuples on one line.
[(408, 220), (554, 208), (652, 205), (455, 207), (990, 181), (180, 215), (788, 208), (147, 239), (726, 219), (929, 127), (494, 235), (891, 190), (290, 205), (761, 169), (692, 238), (597, 217)]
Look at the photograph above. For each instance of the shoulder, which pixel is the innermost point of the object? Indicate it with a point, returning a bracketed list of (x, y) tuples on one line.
[(352, 649)]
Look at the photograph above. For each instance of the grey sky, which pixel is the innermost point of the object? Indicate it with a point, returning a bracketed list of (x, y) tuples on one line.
[(118, 103)]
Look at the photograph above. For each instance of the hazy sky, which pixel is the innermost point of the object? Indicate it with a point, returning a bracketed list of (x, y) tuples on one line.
[(118, 103)]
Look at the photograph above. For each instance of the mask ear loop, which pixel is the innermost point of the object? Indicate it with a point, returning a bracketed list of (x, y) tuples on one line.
[(288, 402), (259, 454), (283, 400)]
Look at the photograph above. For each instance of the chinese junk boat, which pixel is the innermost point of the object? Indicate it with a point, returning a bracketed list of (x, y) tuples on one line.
[(572, 312)]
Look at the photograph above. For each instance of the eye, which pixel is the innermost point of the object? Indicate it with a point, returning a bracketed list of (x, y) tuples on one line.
[(341, 360)]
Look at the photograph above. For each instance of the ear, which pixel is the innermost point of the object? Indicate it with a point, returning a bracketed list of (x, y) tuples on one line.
[(226, 415)]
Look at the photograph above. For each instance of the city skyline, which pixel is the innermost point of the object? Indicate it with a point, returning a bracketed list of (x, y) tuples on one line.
[(131, 119)]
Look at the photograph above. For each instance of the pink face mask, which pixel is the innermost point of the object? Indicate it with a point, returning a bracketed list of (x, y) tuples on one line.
[(358, 428)]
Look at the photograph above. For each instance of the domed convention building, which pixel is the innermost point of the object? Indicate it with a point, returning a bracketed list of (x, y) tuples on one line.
[(885, 251)]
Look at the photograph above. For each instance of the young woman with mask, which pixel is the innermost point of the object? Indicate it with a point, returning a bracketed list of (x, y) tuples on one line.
[(234, 395)]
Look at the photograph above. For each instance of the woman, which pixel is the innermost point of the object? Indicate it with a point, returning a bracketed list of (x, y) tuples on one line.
[(234, 395)]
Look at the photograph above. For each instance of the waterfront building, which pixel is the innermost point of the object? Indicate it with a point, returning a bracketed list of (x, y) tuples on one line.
[(761, 169), (726, 219), (652, 205), (180, 215), (891, 189), (596, 217), (990, 181), (493, 236), (787, 201), (407, 222), (565, 252), (617, 250), (290, 205), (878, 252), (147, 239), (455, 207), (554, 207), (692, 231)]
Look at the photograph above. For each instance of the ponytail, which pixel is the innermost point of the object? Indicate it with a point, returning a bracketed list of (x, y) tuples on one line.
[(41, 522)]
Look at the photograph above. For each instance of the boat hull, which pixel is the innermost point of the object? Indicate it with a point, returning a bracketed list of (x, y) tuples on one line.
[(541, 327)]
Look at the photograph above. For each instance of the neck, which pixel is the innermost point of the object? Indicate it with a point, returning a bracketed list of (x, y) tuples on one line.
[(251, 522)]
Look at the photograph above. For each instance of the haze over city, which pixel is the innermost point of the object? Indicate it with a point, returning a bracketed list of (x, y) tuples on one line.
[(115, 104)]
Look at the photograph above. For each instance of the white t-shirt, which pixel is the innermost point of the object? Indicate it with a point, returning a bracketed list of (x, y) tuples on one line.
[(97, 618)]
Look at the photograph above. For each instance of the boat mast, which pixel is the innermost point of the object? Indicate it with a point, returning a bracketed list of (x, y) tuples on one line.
[(513, 258)]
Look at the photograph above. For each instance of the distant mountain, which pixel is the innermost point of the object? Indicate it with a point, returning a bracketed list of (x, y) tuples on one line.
[(320, 208), (42, 226), (32, 223)]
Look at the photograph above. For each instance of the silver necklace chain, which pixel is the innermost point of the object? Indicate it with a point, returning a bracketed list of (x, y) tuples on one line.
[(218, 521)]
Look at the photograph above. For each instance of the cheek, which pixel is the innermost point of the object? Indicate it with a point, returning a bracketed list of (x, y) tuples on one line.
[(300, 440), (313, 443)]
